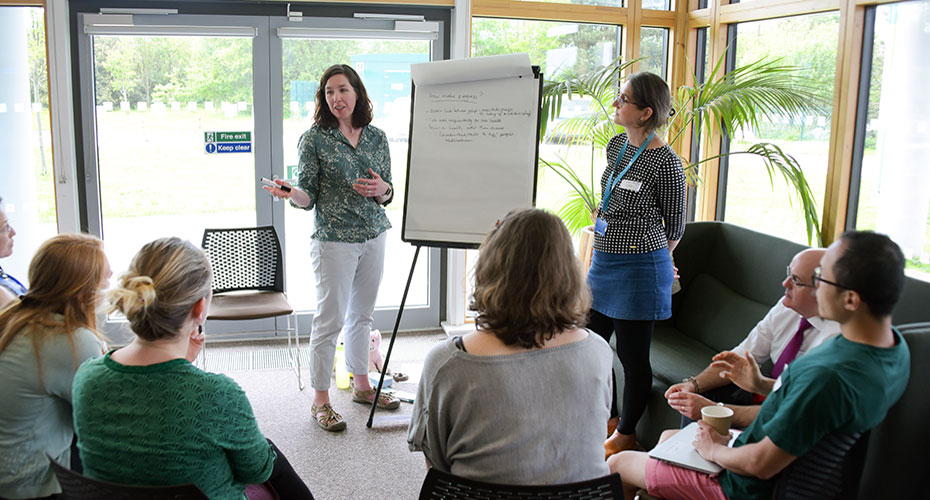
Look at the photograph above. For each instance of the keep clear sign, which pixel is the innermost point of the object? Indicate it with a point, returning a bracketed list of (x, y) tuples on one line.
[(227, 142)]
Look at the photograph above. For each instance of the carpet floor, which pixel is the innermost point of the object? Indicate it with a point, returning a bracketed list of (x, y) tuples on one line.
[(358, 463)]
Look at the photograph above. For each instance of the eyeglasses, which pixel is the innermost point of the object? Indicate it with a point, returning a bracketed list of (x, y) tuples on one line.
[(817, 279), (797, 281), (626, 100), (6, 228)]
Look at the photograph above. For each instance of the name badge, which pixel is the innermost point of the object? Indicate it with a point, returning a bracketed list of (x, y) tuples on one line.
[(777, 384), (600, 226), (631, 185)]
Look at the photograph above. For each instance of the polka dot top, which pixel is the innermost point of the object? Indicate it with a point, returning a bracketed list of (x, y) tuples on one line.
[(647, 207)]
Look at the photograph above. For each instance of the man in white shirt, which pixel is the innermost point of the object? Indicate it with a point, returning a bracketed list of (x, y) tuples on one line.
[(779, 337)]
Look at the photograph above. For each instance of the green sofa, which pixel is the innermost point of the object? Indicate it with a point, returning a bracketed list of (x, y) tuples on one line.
[(730, 277)]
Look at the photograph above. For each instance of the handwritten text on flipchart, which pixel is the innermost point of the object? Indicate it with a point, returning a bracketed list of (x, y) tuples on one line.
[(462, 118)]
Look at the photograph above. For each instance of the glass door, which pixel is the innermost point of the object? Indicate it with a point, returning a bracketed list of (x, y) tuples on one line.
[(172, 158), (176, 128), (381, 53), (384, 66), (184, 113)]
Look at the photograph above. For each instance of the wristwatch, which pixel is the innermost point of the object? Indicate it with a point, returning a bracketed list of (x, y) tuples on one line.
[(694, 382)]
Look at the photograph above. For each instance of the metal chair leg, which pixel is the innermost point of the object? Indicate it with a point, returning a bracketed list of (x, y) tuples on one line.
[(294, 353)]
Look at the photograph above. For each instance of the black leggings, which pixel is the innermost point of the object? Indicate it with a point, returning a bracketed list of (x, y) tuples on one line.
[(633, 339), (285, 480)]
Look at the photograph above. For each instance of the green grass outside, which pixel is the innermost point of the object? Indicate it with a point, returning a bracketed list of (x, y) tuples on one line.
[(151, 164), (45, 181)]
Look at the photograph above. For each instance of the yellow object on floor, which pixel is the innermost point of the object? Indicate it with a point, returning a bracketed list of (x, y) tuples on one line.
[(342, 375)]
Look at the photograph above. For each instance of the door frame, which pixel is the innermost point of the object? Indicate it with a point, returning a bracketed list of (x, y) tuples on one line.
[(268, 149)]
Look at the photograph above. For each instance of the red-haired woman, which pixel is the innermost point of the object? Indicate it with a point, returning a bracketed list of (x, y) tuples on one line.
[(44, 337)]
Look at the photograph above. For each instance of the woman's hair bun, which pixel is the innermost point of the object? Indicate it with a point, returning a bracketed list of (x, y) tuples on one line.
[(133, 295)]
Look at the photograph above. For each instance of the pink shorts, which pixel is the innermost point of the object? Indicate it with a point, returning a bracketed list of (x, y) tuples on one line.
[(677, 483)]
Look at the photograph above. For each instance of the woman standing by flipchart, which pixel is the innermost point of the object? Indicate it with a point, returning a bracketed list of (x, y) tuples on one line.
[(345, 173), (637, 226)]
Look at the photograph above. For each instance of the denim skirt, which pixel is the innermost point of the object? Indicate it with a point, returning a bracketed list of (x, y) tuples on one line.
[(632, 286)]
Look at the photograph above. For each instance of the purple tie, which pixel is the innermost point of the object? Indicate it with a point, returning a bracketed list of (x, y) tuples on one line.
[(791, 350)]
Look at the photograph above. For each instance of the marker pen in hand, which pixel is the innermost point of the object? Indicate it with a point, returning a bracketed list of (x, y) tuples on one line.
[(268, 182)]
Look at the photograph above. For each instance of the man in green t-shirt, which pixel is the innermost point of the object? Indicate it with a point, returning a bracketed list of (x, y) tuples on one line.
[(846, 384)]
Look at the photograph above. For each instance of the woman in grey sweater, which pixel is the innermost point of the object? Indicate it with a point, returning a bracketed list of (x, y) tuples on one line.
[(522, 400)]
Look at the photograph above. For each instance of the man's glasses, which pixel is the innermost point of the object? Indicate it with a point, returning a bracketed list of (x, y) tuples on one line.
[(6, 228), (817, 279), (797, 281)]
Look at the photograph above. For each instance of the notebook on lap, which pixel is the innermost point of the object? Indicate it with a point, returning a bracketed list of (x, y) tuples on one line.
[(679, 450)]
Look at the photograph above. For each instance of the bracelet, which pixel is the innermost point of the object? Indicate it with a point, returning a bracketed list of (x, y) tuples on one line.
[(694, 382), (389, 192)]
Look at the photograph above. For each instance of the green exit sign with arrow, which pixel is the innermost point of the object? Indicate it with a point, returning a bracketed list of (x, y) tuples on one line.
[(227, 136)]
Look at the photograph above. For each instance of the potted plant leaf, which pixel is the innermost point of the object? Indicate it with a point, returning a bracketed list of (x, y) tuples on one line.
[(592, 129), (725, 102)]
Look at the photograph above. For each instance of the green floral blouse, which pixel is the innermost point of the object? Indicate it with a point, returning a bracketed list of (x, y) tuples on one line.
[(328, 168)]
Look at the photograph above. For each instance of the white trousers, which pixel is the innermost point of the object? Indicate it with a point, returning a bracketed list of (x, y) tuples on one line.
[(347, 279)]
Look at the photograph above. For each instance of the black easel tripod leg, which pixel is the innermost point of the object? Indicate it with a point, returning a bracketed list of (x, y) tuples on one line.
[(387, 359)]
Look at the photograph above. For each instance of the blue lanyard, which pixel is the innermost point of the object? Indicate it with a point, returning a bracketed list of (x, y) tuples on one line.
[(12, 283), (611, 182)]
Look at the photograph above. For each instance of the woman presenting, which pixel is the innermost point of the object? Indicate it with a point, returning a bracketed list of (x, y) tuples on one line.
[(637, 226), (345, 173)]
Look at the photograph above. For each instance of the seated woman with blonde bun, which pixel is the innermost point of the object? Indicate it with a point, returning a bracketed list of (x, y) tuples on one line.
[(521, 400), (44, 337), (144, 415)]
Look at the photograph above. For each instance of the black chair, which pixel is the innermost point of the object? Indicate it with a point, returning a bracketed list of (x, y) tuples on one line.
[(830, 471), (74, 486), (445, 486), (248, 281), (896, 462)]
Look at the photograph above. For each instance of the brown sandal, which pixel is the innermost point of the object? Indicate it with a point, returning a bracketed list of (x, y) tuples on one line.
[(327, 417), (385, 400)]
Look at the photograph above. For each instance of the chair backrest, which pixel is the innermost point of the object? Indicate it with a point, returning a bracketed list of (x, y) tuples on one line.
[(245, 259), (751, 265), (75, 486), (896, 462), (830, 471), (442, 485)]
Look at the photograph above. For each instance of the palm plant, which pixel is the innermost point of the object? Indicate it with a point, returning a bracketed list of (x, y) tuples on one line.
[(728, 102)]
